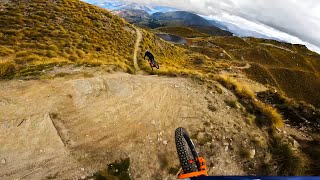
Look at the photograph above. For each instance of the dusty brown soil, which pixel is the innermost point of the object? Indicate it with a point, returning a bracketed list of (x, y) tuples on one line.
[(73, 126)]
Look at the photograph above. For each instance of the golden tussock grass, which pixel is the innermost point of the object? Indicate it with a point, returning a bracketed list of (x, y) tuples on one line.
[(28, 58), (290, 162), (70, 30), (231, 83), (5, 51), (7, 68), (271, 113), (243, 91), (300, 85)]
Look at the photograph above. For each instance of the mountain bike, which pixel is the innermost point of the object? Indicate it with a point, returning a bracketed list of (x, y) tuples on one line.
[(192, 165), (153, 64)]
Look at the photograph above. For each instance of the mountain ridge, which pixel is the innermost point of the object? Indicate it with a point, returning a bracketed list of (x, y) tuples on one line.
[(174, 18), (76, 85)]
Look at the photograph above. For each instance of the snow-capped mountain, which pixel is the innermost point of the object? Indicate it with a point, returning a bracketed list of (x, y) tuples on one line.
[(119, 5), (110, 5)]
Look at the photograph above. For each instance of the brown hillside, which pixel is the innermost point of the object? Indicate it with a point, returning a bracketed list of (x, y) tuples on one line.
[(255, 55), (260, 74), (76, 122), (36, 35), (292, 68), (229, 42), (35, 32), (301, 85)]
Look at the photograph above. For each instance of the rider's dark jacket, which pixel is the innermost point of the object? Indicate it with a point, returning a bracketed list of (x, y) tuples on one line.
[(149, 55)]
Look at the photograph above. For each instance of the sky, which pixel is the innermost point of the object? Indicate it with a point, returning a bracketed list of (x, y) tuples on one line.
[(294, 21)]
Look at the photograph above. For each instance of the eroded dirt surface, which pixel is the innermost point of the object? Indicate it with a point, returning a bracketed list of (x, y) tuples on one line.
[(71, 127)]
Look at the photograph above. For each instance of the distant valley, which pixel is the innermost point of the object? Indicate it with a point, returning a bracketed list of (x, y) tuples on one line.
[(80, 101)]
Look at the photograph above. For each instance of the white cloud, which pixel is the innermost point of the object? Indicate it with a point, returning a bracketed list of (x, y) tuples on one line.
[(295, 21), (262, 29)]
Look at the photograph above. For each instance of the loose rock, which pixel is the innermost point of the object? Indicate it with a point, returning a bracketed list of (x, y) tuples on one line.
[(252, 153), (295, 144), (3, 161)]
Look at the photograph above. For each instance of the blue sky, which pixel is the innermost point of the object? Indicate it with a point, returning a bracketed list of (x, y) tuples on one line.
[(294, 21)]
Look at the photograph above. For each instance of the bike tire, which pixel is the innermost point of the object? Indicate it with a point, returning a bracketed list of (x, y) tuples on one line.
[(157, 65), (186, 151), (151, 65)]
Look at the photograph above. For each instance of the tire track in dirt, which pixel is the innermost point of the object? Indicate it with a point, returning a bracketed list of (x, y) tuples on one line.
[(99, 120), (136, 48)]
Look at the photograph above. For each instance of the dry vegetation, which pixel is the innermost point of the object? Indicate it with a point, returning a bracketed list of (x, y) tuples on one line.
[(37, 33), (174, 60), (228, 42), (272, 116), (300, 85), (256, 56), (292, 69), (298, 113), (260, 74), (287, 160)]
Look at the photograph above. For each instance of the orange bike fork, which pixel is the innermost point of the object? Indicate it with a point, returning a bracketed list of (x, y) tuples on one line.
[(202, 172)]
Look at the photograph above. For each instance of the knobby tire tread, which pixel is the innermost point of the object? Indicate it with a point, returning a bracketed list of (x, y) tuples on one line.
[(182, 150)]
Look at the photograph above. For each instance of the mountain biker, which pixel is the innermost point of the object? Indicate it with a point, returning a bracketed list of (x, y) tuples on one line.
[(149, 55)]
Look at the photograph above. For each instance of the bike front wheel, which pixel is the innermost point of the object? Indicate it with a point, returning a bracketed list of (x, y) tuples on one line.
[(186, 151)]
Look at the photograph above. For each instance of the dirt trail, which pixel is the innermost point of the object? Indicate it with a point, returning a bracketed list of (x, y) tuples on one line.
[(273, 78), (231, 57), (73, 126), (279, 47), (136, 49), (247, 66)]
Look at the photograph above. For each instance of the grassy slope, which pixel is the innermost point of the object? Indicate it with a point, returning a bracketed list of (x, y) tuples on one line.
[(34, 32), (36, 35), (292, 68), (302, 85), (174, 60), (297, 72)]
